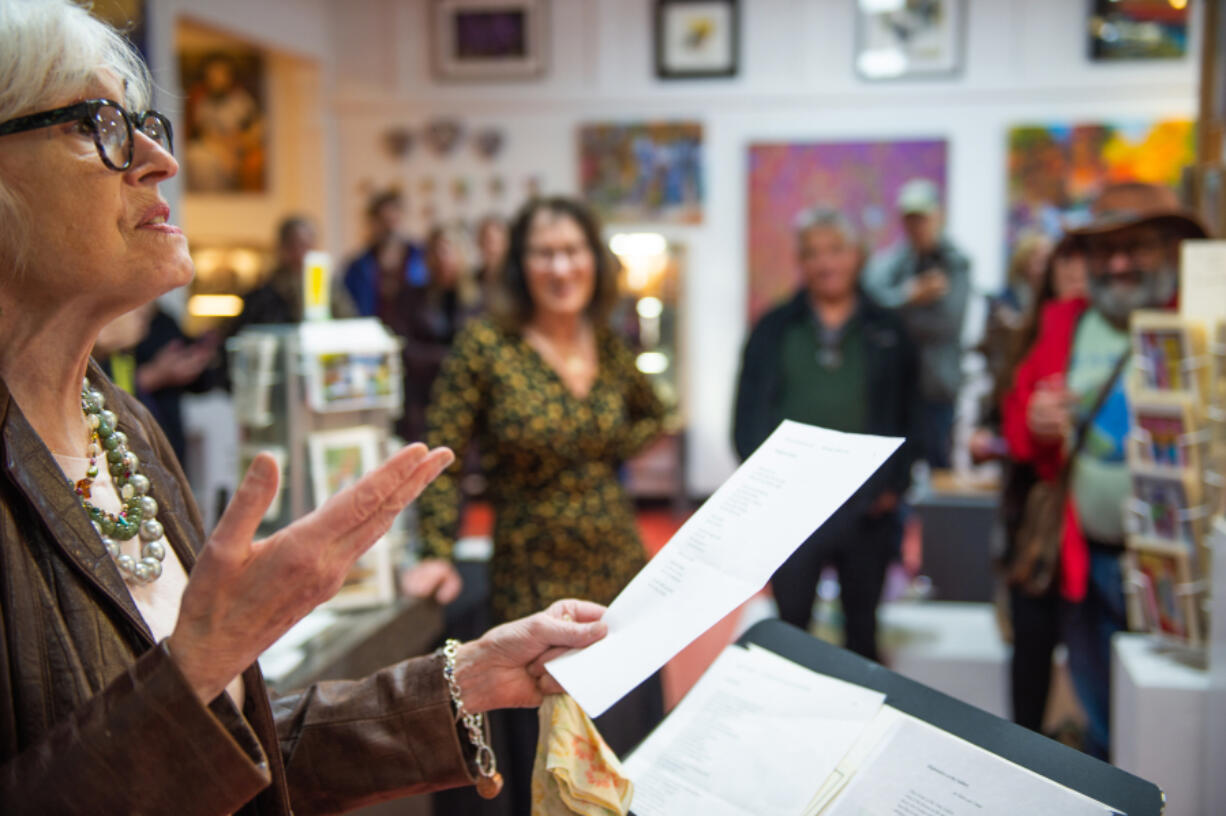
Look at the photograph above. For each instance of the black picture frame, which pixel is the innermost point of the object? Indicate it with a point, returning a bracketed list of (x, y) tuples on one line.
[(719, 59)]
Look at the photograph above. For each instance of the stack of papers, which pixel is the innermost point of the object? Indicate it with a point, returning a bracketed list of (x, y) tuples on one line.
[(761, 735)]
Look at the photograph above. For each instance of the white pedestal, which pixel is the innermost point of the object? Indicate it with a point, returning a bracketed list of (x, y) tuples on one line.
[(950, 646), (1157, 721)]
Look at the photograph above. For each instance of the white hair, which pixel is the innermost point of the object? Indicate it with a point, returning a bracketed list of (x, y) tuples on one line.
[(822, 217), (51, 50)]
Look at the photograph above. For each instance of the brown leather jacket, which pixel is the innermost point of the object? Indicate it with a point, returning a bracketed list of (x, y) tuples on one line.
[(96, 718)]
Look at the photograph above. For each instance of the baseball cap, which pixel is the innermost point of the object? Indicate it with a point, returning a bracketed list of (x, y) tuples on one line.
[(919, 195)]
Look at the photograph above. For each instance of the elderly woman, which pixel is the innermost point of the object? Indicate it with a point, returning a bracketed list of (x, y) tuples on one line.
[(128, 641)]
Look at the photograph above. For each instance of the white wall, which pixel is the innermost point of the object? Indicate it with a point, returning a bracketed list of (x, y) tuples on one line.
[(1024, 62)]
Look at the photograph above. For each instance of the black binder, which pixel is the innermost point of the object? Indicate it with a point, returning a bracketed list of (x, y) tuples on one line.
[(1113, 787)]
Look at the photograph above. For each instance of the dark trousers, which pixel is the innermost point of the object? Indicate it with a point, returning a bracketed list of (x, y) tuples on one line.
[(860, 548), (1087, 628), (936, 422), (1036, 631)]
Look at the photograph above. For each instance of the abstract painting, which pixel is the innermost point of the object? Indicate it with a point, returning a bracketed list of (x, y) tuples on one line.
[(643, 172), (1056, 170), (1138, 29), (861, 179)]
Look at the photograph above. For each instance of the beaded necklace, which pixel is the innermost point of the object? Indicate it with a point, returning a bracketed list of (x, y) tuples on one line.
[(138, 516)]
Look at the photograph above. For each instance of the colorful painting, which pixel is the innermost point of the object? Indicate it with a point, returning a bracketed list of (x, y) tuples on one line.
[(1056, 171), (1138, 29), (862, 179), (224, 146), (643, 172), (345, 381)]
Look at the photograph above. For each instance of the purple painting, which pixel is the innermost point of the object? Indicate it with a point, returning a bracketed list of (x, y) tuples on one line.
[(861, 179)]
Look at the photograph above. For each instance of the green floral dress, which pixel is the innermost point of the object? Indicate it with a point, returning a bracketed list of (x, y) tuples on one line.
[(563, 525)]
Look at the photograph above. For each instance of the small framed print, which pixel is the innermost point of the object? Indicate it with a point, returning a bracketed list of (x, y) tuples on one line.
[(1165, 432), (489, 39), (354, 380), (696, 38), (1169, 352), (905, 40), (1160, 594), (1167, 506), (246, 455), (370, 581), (253, 357), (339, 458)]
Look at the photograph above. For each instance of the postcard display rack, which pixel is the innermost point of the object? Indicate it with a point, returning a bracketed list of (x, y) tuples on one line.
[(321, 397), (1177, 460)]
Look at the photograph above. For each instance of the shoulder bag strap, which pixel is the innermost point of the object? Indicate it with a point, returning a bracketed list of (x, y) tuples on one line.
[(1083, 427)]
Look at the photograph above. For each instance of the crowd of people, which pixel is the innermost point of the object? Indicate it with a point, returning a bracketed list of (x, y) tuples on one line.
[(120, 612)]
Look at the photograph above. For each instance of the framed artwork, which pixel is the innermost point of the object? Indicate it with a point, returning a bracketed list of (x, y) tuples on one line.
[(489, 39), (1169, 352), (1158, 594), (860, 179), (352, 380), (643, 172), (1055, 170), (696, 38), (224, 144), (1165, 431), (1137, 29), (909, 38), (253, 374), (339, 458), (247, 454), (1167, 507)]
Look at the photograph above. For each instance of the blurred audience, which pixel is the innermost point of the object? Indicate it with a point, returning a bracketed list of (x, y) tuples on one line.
[(377, 278), (279, 300), (1069, 393), (145, 353), (927, 279), (492, 247), (428, 319), (832, 357), (555, 403)]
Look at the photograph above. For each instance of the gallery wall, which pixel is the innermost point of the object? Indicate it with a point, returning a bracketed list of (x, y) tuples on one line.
[(1024, 61), (297, 40)]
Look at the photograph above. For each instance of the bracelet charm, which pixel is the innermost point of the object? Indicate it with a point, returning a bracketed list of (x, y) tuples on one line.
[(489, 781)]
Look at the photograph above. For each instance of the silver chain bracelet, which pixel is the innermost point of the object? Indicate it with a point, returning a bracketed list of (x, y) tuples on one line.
[(489, 782)]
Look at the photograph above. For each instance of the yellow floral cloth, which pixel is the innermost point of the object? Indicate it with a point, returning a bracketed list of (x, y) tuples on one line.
[(575, 771)]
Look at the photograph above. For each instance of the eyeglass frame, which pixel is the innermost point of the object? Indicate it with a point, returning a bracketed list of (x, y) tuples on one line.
[(1135, 241), (87, 111)]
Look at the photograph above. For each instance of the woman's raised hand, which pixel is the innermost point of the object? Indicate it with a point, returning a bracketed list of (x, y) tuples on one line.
[(244, 594)]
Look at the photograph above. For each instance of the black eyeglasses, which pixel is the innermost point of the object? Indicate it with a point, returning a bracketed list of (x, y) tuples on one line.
[(111, 125)]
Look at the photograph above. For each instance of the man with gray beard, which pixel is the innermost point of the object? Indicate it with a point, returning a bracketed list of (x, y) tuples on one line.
[(1073, 376)]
